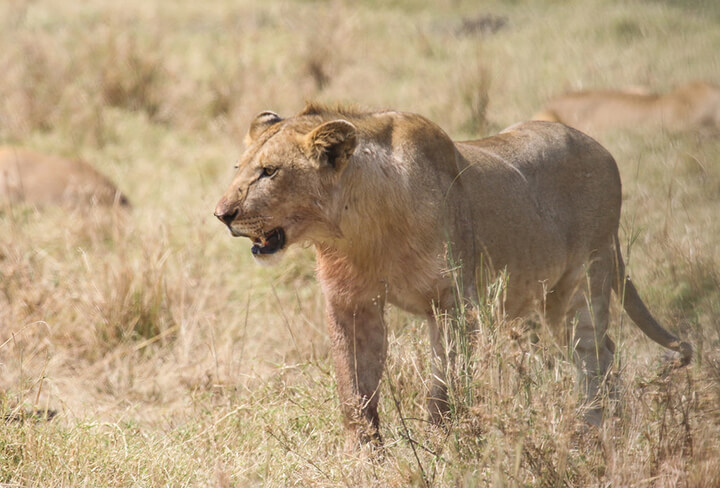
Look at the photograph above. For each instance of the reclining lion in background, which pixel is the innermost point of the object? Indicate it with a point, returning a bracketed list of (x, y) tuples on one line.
[(693, 106), (392, 204), (39, 179)]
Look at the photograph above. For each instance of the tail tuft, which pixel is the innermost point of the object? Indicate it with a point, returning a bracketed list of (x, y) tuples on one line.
[(638, 312)]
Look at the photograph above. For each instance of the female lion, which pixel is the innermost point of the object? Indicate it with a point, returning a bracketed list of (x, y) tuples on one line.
[(387, 199)]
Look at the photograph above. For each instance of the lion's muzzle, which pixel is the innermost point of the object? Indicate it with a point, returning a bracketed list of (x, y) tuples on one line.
[(226, 216), (264, 242)]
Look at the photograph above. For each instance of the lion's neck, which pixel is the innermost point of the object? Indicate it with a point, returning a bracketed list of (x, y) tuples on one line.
[(386, 230), (369, 207)]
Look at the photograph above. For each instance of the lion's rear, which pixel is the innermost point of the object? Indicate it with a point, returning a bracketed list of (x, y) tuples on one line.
[(555, 178)]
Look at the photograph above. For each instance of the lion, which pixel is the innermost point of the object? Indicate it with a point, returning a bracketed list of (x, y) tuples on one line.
[(37, 179), (692, 106), (394, 207)]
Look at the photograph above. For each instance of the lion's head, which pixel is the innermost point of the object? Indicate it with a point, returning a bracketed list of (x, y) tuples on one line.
[(280, 194)]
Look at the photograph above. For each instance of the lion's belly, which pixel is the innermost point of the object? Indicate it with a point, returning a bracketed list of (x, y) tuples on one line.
[(526, 276), (524, 291)]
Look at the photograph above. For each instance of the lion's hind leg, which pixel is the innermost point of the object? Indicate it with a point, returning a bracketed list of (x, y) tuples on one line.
[(586, 326), (576, 310), (437, 402)]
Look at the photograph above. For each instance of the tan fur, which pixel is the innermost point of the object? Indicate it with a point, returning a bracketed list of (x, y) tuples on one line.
[(39, 179), (693, 106), (392, 205)]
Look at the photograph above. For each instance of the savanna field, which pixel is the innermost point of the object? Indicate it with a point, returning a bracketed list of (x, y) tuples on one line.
[(146, 348)]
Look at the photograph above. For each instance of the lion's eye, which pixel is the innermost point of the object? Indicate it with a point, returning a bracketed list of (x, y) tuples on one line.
[(269, 171)]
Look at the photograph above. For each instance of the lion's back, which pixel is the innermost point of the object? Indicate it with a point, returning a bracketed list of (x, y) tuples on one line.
[(692, 105), (39, 179), (553, 164), (541, 188), (600, 110)]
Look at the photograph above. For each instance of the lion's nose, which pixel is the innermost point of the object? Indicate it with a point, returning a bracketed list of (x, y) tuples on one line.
[(226, 217)]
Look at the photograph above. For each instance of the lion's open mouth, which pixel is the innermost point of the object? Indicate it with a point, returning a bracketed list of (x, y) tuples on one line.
[(270, 242)]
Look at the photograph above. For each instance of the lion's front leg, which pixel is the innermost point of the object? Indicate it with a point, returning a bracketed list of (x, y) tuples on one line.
[(359, 347)]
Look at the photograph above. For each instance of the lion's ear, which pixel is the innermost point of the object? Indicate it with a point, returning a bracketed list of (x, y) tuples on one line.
[(259, 124), (332, 143)]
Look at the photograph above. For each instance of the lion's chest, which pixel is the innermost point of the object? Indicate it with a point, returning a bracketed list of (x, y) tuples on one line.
[(410, 281), (411, 299), (419, 288)]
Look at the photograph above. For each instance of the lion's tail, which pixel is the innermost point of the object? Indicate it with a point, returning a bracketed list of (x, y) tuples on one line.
[(638, 312)]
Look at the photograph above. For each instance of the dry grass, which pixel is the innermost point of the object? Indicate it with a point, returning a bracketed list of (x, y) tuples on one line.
[(171, 359)]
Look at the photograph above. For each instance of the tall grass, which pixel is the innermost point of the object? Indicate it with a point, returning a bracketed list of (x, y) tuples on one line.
[(171, 359)]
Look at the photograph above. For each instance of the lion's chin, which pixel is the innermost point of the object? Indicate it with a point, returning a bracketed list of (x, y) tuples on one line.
[(269, 243), (269, 259), (269, 248)]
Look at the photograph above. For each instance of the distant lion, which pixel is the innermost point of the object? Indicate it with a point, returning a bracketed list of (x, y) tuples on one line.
[(693, 106), (39, 179), (399, 213)]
